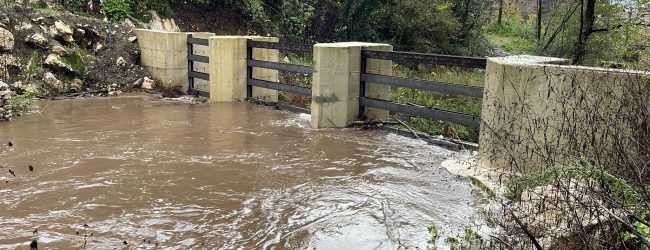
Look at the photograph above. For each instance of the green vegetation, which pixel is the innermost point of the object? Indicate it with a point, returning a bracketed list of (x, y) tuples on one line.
[(35, 65), (452, 242), (515, 35), (479, 184), (435, 233), (462, 104), (578, 171), (643, 229), (116, 10), (469, 240), (75, 60), (20, 103)]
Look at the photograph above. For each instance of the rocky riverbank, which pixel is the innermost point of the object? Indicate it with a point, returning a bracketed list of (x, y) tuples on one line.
[(47, 53)]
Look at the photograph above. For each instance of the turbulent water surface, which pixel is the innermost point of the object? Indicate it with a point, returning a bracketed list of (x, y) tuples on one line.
[(161, 174)]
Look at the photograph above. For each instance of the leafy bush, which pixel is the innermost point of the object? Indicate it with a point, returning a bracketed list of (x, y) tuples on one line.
[(20, 103), (296, 17), (116, 10)]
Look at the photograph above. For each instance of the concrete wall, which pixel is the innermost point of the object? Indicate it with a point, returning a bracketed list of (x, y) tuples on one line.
[(164, 54), (539, 113), (228, 70), (335, 84)]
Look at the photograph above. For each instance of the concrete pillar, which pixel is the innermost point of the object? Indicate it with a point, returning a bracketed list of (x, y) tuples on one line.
[(336, 80), (164, 54), (228, 68)]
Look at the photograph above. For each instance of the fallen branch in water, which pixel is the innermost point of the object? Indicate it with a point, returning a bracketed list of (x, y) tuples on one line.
[(409, 128)]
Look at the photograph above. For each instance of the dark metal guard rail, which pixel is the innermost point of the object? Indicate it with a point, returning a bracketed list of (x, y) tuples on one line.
[(458, 61), (191, 58), (435, 86), (281, 46), (251, 63)]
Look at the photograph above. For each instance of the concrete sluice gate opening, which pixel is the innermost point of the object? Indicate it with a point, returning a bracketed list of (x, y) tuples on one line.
[(155, 173)]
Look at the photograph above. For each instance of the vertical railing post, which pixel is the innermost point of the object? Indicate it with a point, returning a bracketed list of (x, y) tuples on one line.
[(190, 64), (362, 89), (249, 70)]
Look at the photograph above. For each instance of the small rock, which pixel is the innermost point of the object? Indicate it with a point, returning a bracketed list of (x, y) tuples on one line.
[(76, 85), (9, 61), (4, 21), (52, 82), (18, 85), (147, 83), (128, 23), (98, 47), (133, 39), (137, 83), (62, 32), (60, 50), (37, 40), (53, 61), (79, 34), (9, 65), (39, 19), (6, 40), (3, 86), (23, 26), (120, 62)]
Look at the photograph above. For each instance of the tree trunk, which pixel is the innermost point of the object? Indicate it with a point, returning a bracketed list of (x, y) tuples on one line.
[(587, 21), (500, 12), (539, 21)]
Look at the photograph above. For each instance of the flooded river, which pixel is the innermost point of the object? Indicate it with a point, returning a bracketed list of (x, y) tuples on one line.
[(160, 174)]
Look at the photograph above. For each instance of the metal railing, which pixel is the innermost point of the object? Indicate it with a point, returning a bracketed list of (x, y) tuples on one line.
[(191, 58), (251, 63), (435, 86)]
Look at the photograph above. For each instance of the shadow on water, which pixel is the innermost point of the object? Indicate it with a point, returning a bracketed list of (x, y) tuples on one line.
[(221, 175)]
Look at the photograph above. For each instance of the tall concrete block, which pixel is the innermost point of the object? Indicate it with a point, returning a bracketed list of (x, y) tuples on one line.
[(228, 70), (164, 54), (336, 82), (539, 112)]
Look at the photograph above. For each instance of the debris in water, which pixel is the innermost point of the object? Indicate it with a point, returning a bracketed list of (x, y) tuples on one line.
[(12, 172), (125, 243), (31, 168), (10, 144)]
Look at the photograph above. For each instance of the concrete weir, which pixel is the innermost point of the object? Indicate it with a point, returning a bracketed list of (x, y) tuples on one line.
[(519, 92)]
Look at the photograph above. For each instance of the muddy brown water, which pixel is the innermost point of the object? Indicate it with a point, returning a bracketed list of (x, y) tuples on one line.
[(217, 176)]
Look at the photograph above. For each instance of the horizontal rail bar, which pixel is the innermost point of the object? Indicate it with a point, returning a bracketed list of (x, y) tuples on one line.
[(449, 88), (198, 41), (435, 114), (280, 106), (199, 75), (197, 58), (294, 109), (280, 86), (200, 92), (459, 61), (281, 66), (281, 46)]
